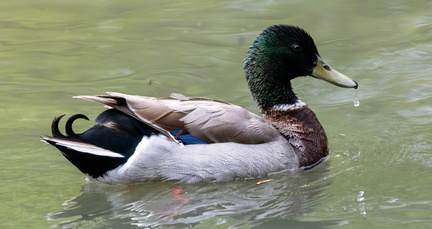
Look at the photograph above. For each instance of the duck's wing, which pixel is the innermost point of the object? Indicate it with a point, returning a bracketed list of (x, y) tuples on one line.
[(209, 120)]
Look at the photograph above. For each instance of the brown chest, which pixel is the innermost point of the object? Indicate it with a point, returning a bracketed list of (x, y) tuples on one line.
[(304, 132)]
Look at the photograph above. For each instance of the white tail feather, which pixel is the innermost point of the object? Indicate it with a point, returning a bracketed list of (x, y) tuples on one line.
[(87, 148)]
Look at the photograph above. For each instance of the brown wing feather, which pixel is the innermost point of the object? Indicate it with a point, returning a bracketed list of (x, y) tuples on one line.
[(123, 104), (207, 119)]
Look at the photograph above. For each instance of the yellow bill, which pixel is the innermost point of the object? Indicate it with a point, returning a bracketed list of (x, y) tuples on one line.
[(325, 72)]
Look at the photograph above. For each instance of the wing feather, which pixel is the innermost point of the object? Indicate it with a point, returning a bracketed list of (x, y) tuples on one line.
[(210, 120)]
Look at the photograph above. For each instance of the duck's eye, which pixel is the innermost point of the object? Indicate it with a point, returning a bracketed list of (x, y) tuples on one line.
[(296, 47)]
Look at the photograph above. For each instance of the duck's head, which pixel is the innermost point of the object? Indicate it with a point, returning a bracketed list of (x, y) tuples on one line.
[(278, 55)]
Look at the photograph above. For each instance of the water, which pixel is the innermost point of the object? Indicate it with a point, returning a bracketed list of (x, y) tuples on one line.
[(356, 101), (378, 171)]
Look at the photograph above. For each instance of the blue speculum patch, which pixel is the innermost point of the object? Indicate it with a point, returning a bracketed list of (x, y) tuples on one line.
[(187, 139)]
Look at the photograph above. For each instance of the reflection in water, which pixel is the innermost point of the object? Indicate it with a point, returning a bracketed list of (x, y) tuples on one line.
[(287, 196), (362, 208)]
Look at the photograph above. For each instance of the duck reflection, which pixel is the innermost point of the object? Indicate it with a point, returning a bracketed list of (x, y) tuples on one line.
[(284, 196)]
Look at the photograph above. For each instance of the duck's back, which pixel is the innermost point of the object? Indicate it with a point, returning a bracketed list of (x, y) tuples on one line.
[(210, 120)]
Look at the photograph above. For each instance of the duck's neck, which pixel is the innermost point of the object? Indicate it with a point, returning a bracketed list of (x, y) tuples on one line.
[(307, 136), (270, 94)]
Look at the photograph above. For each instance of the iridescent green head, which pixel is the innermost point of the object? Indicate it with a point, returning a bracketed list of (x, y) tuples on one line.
[(278, 55)]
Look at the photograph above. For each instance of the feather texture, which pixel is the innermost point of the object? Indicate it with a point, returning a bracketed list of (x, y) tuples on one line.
[(209, 120)]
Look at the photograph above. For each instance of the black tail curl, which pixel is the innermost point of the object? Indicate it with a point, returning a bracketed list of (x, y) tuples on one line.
[(69, 131)]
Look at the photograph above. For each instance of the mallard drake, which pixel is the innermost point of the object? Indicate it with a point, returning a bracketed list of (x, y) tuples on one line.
[(189, 140)]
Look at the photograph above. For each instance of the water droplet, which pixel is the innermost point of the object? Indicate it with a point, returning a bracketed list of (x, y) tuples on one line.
[(356, 101)]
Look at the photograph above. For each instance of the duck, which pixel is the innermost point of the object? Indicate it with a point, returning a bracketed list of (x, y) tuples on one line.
[(197, 139)]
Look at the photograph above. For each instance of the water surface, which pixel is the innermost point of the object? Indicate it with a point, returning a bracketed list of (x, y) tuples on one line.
[(378, 174)]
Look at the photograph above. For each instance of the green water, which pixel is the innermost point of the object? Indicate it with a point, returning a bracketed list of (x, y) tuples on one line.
[(378, 174)]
